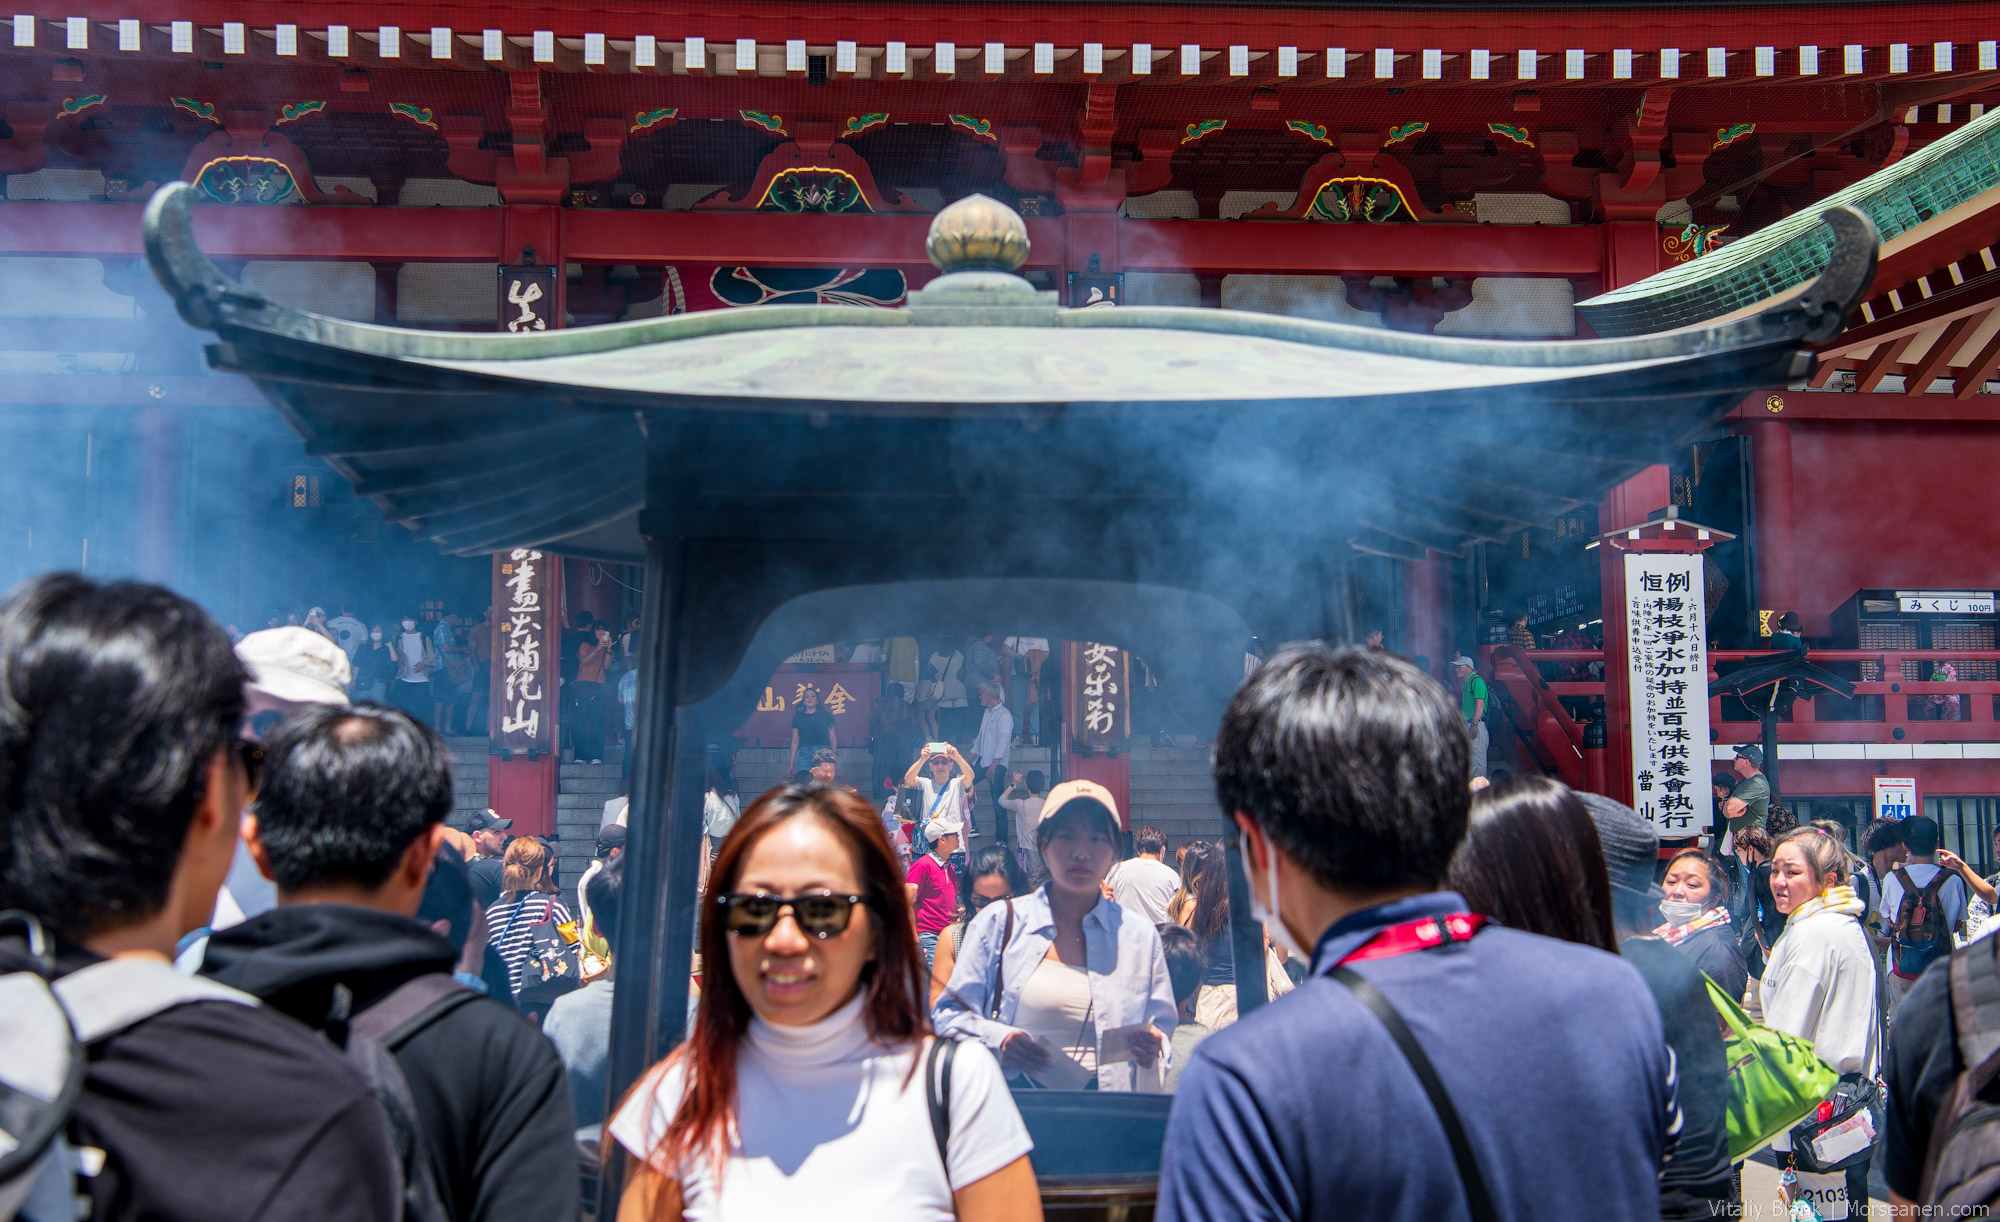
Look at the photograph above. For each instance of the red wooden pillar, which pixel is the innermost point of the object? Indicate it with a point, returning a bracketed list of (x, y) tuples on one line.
[(522, 785), (1629, 504), (1427, 612), (1777, 542)]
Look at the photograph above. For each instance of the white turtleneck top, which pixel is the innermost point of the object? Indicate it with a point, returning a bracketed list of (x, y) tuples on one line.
[(833, 1126)]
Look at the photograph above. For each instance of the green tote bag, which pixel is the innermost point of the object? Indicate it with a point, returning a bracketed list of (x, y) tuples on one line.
[(1775, 1079)]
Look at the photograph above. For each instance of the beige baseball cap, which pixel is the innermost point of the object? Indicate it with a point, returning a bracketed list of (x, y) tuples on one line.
[(1070, 791)]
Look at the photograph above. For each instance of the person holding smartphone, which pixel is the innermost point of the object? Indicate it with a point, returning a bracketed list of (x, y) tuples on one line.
[(942, 795)]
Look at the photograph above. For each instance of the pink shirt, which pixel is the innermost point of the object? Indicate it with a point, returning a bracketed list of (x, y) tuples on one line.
[(937, 893)]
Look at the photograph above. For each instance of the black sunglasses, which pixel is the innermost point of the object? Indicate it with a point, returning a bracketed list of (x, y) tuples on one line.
[(252, 755), (978, 902), (821, 916)]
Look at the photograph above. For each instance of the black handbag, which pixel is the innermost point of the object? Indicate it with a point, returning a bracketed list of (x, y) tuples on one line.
[(554, 964), (1847, 1135)]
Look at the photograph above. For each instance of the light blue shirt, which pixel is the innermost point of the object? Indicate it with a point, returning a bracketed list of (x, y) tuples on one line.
[(1127, 968)]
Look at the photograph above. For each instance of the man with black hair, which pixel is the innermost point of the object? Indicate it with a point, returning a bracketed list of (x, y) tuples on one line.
[(1918, 878), (1346, 773), (1144, 884), (348, 825), (122, 779), (579, 1023)]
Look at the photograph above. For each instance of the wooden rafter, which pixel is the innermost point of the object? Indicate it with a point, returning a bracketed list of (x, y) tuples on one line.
[(1973, 376), (1878, 364), (1941, 351)]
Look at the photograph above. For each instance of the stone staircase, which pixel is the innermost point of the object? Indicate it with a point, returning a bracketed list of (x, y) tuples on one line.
[(581, 792), (468, 778), (1173, 790)]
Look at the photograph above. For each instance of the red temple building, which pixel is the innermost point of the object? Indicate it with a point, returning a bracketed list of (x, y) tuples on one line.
[(1448, 168)]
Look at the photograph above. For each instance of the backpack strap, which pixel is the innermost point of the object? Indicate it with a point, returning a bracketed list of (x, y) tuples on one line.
[(937, 1093), (409, 1008), (1975, 1000), (113, 994), (1479, 1202), (1938, 880)]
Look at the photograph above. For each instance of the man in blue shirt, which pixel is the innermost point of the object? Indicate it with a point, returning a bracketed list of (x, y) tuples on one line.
[(1346, 773)]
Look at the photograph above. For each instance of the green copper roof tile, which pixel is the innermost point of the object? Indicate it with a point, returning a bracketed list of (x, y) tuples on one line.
[(1785, 255)]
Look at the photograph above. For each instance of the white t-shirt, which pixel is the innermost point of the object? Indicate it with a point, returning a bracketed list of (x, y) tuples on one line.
[(349, 633), (413, 654), (1028, 644), (951, 809), (832, 1126), (1143, 887)]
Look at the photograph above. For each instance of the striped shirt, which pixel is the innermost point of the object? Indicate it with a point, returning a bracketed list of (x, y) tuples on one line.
[(512, 943)]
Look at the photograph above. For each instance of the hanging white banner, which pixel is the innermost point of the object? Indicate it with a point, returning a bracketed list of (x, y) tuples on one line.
[(1666, 631)]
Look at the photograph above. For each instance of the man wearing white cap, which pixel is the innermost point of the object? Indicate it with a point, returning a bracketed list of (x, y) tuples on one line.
[(933, 885), (1472, 703), (288, 667)]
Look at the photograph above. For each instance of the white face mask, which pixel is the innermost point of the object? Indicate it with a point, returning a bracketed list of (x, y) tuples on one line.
[(409, 625), (1679, 912), (375, 636), (1273, 923)]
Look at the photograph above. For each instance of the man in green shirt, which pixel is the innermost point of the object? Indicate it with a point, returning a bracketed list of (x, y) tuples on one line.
[(1751, 799), (1472, 704)]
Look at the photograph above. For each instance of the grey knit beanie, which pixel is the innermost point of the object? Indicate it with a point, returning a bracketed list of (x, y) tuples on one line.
[(1631, 845)]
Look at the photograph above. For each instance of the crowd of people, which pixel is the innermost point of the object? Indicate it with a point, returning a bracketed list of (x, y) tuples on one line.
[(1485, 1000)]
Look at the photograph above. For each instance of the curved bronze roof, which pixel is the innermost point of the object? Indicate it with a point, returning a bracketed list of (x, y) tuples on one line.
[(1135, 442)]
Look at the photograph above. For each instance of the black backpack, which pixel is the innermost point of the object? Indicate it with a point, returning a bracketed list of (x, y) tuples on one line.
[(1962, 1165), (373, 1036)]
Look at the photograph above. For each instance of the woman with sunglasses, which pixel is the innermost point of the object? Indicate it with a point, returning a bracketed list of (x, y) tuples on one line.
[(994, 873), (1068, 988), (805, 1085)]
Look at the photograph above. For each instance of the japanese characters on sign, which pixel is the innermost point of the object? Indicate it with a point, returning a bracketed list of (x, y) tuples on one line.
[(1945, 602), (846, 690), (524, 697), (527, 298), (1666, 633), (1099, 678)]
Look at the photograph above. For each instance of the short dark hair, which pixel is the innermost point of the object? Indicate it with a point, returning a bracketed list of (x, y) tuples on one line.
[(1186, 963), (1352, 761), (1150, 840), (1532, 861), (448, 896), (114, 697), (605, 891), (345, 792), (1037, 783), (825, 755), (1920, 834), (1725, 781)]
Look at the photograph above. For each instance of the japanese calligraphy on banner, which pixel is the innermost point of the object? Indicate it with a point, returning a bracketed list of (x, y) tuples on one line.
[(1099, 678), (846, 690), (1666, 632), (523, 699)]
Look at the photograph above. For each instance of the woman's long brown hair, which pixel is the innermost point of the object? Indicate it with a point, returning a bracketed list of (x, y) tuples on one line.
[(894, 984)]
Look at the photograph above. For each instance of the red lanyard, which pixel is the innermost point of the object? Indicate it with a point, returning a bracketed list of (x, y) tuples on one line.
[(1424, 933)]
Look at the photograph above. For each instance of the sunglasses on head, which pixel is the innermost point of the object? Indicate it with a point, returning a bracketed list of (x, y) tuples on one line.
[(821, 915)]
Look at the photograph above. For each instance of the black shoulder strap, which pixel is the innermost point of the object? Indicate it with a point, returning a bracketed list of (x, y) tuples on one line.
[(1000, 965), (937, 1092), (1479, 1202), (409, 1008), (1975, 1000)]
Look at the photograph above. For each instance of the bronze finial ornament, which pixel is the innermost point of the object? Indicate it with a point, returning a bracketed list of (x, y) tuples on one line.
[(978, 233)]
